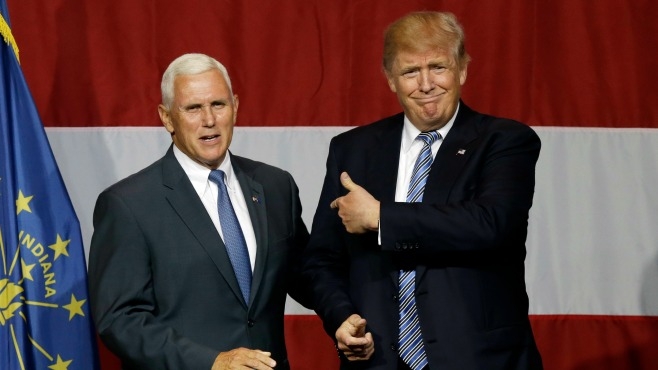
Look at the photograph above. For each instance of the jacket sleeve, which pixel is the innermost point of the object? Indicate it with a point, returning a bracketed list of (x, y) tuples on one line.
[(298, 288), (122, 297), (326, 263)]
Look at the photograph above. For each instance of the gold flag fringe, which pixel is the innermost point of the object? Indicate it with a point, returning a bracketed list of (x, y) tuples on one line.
[(5, 30)]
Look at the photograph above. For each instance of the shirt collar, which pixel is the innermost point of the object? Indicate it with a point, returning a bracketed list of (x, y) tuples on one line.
[(410, 132), (198, 174)]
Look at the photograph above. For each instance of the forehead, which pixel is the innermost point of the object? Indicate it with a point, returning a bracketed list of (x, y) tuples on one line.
[(406, 58), (206, 85)]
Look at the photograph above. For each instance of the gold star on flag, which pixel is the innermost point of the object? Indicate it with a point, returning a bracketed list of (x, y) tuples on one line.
[(23, 203), (75, 307), (60, 247), (60, 364), (27, 270)]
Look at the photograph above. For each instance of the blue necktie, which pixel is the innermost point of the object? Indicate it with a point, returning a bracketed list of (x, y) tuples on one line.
[(236, 246), (410, 337)]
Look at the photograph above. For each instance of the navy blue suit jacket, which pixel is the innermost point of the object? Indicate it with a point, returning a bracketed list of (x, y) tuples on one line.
[(466, 241)]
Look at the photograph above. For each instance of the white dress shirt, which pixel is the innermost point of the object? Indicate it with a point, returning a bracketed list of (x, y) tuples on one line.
[(208, 191), (409, 150)]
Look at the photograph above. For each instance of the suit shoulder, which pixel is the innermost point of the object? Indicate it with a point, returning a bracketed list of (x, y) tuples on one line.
[(488, 123), (508, 131), (515, 128)]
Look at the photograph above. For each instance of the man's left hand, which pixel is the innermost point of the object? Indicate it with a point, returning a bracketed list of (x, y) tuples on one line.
[(358, 209)]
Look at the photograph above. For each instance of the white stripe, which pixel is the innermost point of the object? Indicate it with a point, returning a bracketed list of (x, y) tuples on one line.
[(593, 240), (593, 237)]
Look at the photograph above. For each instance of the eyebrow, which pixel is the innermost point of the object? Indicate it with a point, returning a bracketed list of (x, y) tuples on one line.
[(409, 69), (198, 105)]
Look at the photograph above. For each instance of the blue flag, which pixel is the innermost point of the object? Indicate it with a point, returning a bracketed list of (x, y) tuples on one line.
[(45, 320)]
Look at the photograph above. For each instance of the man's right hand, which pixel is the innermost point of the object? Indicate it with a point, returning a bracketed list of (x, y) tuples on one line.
[(244, 358), (353, 340)]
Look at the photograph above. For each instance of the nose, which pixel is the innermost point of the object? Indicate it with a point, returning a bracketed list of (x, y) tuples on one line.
[(208, 116), (425, 81)]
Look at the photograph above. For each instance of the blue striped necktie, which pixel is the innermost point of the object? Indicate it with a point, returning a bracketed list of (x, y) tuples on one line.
[(236, 246), (410, 338)]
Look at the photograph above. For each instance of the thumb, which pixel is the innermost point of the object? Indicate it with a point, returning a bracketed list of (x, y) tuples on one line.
[(358, 325), (347, 182), (360, 329)]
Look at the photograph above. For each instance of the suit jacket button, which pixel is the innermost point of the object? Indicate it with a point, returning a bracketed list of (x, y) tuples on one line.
[(250, 323), (394, 347), (395, 297)]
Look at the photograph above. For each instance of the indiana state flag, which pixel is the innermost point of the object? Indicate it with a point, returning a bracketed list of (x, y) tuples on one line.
[(44, 310)]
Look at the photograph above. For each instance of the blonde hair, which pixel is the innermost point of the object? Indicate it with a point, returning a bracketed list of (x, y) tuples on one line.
[(421, 31)]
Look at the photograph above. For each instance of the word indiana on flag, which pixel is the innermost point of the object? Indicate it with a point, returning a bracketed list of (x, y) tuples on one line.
[(44, 310)]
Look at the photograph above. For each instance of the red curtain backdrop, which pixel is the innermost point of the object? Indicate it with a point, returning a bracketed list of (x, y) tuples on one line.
[(317, 62)]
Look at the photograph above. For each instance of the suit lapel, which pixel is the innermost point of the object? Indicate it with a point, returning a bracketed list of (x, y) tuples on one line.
[(453, 154), (185, 201), (384, 159)]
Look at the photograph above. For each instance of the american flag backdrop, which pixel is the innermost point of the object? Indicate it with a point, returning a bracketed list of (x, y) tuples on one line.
[(582, 73)]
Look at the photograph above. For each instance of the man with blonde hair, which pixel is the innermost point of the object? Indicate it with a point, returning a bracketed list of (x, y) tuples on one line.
[(417, 248)]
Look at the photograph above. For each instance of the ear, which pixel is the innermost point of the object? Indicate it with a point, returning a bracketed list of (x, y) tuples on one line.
[(462, 75), (236, 103), (165, 117), (391, 81)]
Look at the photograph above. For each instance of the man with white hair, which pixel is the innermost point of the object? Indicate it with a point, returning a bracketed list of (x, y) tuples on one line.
[(192, 257)]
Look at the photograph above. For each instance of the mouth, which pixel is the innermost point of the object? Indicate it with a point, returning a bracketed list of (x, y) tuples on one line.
[(209, 138), (428, 98)]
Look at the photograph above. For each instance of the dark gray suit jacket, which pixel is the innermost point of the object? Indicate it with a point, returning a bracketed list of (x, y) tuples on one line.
[(162, 289), (466, 241)]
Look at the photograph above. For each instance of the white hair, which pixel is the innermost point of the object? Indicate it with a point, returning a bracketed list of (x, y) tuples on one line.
[(189, 64)]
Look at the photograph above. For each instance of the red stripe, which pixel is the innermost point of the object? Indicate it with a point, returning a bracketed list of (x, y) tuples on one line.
[(582, 342), (309, 347), (566, 342), (567, 63)]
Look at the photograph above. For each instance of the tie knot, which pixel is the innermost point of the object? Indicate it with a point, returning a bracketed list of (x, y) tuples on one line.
[(216, 176), (429, 137)]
